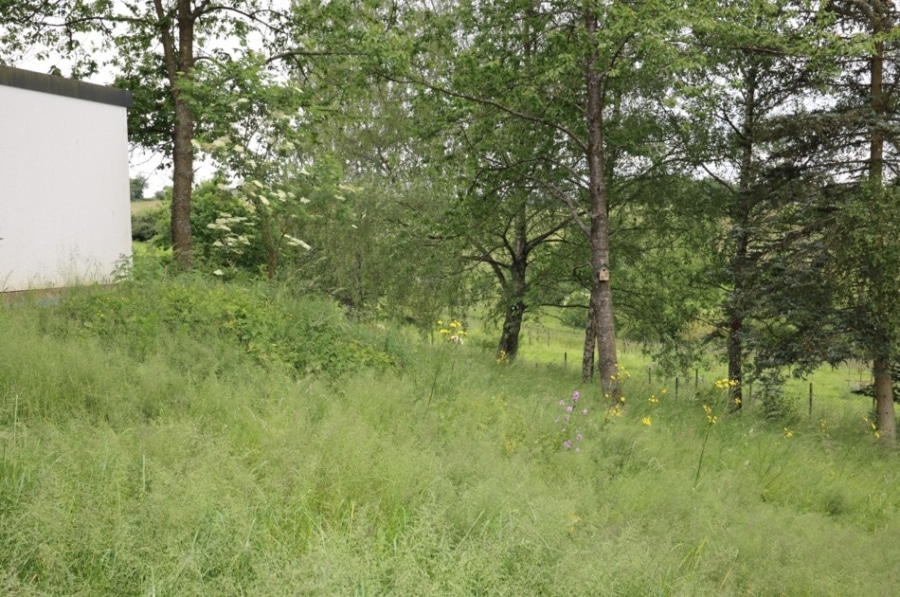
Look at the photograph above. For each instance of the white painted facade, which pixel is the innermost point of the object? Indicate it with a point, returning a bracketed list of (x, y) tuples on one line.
[(65, 214)]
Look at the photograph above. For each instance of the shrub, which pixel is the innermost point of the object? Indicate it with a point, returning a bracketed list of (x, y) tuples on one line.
[(145, 224), (307, 334)]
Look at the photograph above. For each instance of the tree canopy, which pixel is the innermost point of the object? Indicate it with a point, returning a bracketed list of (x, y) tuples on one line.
[(724, 173)]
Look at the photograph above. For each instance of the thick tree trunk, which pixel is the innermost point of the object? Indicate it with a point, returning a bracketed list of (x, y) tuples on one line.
[(508, 347), (182, 183), (884, 401), (515, 289), (601, 291), (179, 68)]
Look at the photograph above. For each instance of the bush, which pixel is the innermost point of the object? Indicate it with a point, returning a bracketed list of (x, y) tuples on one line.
[(145, 224), (307, 334), (211, 202)]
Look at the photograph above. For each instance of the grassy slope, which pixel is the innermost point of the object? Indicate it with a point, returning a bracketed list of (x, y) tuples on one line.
[(189, 468)]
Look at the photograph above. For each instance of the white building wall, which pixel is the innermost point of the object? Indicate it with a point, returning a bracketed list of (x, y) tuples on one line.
[(64, 192)]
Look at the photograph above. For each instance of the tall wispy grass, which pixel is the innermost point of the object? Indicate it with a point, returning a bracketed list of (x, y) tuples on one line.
[(158, 456)]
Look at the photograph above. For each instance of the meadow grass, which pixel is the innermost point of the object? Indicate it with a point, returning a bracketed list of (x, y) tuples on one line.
[(145, 205), (141, 458)]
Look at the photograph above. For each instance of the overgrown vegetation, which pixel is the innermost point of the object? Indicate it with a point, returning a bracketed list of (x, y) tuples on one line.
[(175, 436), (284, 416), (276, 327)]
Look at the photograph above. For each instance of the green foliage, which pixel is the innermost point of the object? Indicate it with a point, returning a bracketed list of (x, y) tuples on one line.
[(145, 224), (191, 469), (307, 335), (666, 243), (136, 187), (151, 223), (225, 236), (864, 267)]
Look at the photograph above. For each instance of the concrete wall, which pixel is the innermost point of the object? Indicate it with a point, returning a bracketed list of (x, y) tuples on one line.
[(64, 191)]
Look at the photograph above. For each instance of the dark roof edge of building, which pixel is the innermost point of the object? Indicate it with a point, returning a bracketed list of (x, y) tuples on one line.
[(32, 81)]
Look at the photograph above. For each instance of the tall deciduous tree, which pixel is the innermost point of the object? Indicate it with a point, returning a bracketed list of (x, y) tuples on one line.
[(553, 67), (153, 47), (157, 46), (507, 226), (505, 216)]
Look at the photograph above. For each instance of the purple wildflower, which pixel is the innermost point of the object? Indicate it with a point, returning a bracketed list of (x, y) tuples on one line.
[(575, 396), (578, 437), (567, 445), (568, 409)]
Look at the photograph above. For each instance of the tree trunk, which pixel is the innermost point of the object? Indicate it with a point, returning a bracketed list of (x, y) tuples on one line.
[(512, 327), (741, 224), (182, 183), (515, 289), (601, 291), (590, 343), (735, 363), (884, 400), (179, 67), (881, 364), (736, 309)]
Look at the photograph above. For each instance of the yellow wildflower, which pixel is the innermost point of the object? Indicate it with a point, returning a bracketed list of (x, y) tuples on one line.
[(725, 383)]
